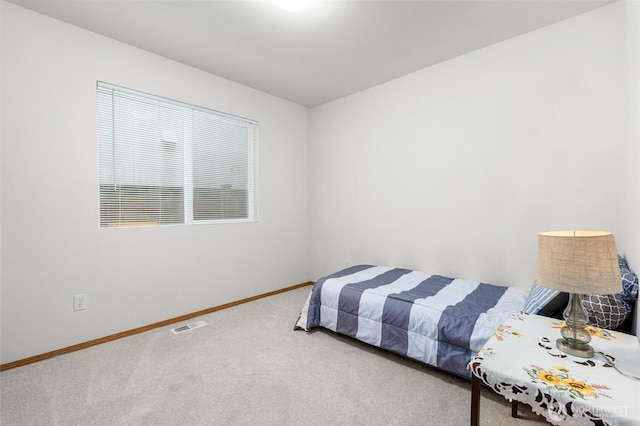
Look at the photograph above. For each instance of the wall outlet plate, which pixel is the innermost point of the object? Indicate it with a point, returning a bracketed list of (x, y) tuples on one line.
[(79, 302)]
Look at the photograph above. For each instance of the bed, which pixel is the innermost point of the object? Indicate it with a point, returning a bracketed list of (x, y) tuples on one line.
[(437, 320)]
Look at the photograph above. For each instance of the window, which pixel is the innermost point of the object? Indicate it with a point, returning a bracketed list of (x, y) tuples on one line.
[(165, 162)]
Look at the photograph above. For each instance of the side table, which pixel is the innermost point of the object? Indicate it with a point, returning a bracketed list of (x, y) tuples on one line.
[(521, 362)]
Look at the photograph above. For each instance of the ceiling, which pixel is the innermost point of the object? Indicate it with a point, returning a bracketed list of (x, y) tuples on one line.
[(326, 51)]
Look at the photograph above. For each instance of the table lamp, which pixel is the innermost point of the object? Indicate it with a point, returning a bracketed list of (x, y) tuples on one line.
[(578, 262)]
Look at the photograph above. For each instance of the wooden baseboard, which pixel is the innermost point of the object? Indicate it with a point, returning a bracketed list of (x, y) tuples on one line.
[(84, 345)]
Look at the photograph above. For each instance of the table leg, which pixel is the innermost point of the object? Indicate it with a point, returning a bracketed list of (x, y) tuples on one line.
[(514, 408), (475, 400)]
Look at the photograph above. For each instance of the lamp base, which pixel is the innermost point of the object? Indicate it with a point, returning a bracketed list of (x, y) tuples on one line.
[(575, 348)]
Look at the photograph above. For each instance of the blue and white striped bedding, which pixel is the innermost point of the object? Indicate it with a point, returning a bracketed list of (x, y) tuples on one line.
[(440, 321)]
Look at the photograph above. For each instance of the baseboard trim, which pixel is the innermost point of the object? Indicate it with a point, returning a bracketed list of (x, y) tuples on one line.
[(105, 339)]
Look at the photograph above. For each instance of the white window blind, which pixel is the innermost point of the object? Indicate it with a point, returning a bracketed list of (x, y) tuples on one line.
[(166, 162)]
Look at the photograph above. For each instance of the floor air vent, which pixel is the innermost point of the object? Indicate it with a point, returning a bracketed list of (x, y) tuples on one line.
[(188, 327)]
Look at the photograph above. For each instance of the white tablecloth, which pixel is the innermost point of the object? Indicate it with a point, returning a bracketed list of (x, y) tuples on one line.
[(521, 361)]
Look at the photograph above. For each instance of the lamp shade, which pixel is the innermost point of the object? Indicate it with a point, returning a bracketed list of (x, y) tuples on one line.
[(583, 262)]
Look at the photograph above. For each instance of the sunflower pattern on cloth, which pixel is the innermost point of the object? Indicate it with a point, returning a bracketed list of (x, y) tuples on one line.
[(520, 361), (559, 379)]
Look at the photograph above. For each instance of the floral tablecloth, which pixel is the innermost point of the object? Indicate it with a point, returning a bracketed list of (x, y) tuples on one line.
[(521, 362)]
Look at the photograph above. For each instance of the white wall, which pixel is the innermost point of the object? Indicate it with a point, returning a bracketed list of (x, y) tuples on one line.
[(51, 245), (630, 179), (455, 169), (1, 62), (451, 170), (629, 240)]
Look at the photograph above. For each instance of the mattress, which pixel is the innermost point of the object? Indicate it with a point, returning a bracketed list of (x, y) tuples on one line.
[(436, 320)]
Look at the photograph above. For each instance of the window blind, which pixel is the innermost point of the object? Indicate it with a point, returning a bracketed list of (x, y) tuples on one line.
[(165, 162)]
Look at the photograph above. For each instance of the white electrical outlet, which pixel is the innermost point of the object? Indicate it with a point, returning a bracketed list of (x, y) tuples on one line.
[(79, 302)]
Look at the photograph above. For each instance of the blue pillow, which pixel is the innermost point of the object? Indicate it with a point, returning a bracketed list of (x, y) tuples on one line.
[(629, 284), (605, 310), (538, 298), (546, 302), (611, 310)]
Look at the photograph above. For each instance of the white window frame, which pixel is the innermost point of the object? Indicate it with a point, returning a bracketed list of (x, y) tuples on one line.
[(188, 166)]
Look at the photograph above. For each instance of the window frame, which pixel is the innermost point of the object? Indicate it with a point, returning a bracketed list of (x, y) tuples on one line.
[(187, 183)]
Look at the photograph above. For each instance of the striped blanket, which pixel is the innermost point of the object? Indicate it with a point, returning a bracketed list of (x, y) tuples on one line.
[(437, 320)]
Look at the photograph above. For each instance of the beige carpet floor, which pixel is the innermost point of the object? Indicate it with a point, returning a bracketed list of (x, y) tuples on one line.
[(246, 367)]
